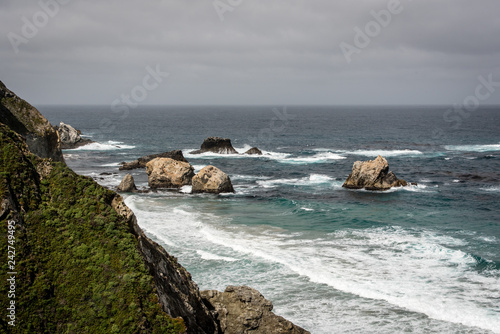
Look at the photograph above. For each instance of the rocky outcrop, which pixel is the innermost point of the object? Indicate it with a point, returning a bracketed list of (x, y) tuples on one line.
[(169, 173), (372, 175), (244, 310), (71, 137), (178, 293), (127, 185), (211, 179), (42, 139), (254, 151), (216, 145), (141, 162)]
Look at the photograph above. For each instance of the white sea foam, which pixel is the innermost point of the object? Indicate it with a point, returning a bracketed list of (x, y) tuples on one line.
[(492, 189), (386, 153), (473, 148), (213, 257), (311, 180), (210, 155), (108, 146), (186, 189), (317, 158), (113, 164)]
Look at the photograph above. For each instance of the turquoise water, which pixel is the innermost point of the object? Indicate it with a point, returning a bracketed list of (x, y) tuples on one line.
[(419, 259)]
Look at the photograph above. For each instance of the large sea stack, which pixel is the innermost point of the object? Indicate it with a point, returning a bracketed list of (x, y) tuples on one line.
[(169, 173), (211, 179), (71, 137), (142, 161), (372, 175), (216, 145)]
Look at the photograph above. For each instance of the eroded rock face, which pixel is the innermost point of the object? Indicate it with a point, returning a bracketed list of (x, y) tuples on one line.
[(71, 137), (142, 161), (372, 175), (42, 139), (240, 309), (211, 179), (216, 145), (127, 185), (169, 173), (254, 151)]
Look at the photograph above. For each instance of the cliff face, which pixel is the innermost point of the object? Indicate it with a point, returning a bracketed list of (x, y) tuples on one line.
[(42, 139)]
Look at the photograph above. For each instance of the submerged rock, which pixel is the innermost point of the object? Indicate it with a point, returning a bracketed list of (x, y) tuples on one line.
[(169, 173), (372, 175), (240, 309), (216, 145), (127, 185), (142, 161), (254, 151), (211, 179), (71, 137)]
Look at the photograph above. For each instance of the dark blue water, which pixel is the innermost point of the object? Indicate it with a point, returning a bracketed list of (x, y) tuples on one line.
[(420, 259)]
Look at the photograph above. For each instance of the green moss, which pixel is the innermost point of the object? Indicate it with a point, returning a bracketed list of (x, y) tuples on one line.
[(79, 268)]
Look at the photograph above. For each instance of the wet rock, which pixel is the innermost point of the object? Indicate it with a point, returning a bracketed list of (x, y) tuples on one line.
[(216, 145), (169, 173), (127, 185), (254, 151), (372, 175), (210, 179), (240, 309), (142, 161), (71, 137)]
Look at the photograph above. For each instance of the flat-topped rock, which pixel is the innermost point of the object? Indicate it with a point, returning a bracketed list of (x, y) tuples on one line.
[(372, 175), (216, 145), (169, 173), (142, 161), (211, 179)]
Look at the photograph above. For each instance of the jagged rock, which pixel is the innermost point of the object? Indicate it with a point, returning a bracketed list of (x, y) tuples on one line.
[(240, 309), (178, 293), (127, 185), (71, 137), (372, 175), (169, 173), (141, 162), (216, 145), (42, 139), (211, 179), (254, 151)]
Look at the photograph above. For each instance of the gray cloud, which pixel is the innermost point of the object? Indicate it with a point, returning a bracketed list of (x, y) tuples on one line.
[(279, 52)]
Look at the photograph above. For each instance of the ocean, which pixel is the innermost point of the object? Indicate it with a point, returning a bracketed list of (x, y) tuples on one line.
[(418, 259)]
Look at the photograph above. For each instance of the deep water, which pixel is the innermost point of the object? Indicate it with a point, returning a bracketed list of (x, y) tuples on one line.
[(419, 259)]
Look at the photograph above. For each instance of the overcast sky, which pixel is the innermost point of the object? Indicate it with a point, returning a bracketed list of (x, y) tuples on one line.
[(251, 51)]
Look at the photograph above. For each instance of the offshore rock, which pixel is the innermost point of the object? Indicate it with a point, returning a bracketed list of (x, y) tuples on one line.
[(240, 309), (141, 162), (372, 175), (71, 137), (216, 145), (254, 151), (169, 173), (42, 139), (127, 185), (211, 179)]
